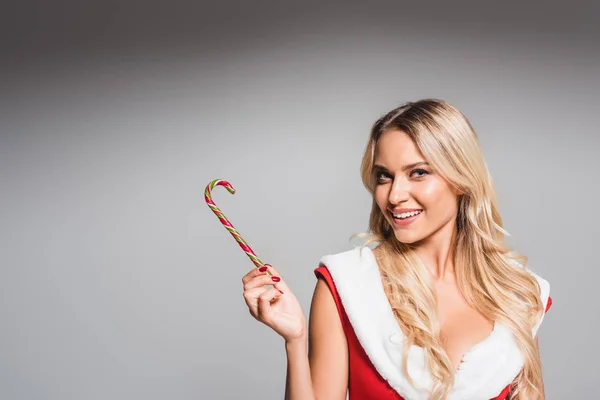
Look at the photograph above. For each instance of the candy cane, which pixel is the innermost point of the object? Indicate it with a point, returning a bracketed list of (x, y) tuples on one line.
[(211, 204)]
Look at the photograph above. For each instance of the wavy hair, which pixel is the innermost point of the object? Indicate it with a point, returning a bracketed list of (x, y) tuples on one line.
[(484, 266)]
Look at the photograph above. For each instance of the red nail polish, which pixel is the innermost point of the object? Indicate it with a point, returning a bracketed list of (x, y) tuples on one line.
[(275, 278), (263, 269)]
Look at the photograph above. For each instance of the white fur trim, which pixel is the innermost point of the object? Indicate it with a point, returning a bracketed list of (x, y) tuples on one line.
[(545, 295), (487, 368)]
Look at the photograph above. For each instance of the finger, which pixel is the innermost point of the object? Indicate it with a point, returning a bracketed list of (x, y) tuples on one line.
[(264, 302), (254, 272), (262, 280), (251, 298), (276, 279), (279, 282)]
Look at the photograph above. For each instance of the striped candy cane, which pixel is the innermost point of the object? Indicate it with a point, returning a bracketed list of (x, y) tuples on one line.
[(211, 204)]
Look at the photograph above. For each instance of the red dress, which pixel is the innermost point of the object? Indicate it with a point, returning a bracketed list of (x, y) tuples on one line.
[(365, 382)]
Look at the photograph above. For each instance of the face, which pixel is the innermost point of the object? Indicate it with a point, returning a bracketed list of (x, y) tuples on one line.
[(417, 203)]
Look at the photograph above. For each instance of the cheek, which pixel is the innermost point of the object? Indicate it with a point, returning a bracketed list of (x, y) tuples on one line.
[(435, 194), (381, 197)]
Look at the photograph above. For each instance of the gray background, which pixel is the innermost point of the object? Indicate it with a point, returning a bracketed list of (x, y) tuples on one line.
[(118, 282)]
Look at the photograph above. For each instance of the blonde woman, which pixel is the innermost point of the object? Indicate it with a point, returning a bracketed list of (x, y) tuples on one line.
[(434, 305)]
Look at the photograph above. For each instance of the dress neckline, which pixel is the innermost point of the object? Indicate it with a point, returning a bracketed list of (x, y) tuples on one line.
[(466, 355), (485, 369)]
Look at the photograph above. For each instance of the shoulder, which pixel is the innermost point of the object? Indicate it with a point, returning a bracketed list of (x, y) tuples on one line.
[(349, 261), (544, 291), (349, 270), (344, 269), (543, 284), (352, 256)]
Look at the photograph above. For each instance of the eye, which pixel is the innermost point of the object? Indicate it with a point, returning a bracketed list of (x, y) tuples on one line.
[(382, 176), (418, 173)]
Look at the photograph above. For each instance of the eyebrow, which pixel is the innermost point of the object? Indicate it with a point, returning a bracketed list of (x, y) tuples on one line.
[(404, 168)]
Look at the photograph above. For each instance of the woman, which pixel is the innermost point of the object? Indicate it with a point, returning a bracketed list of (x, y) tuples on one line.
[(440, 308)]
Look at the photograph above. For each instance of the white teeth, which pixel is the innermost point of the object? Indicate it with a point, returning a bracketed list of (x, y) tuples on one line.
[(407, 214)]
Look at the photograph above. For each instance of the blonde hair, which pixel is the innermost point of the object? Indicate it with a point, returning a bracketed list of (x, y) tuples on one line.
[(484, 265)]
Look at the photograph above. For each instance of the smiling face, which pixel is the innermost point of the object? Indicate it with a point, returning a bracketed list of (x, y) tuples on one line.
[(417, 203)]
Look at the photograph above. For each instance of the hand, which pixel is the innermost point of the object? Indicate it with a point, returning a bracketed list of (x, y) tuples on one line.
[(279, 311)]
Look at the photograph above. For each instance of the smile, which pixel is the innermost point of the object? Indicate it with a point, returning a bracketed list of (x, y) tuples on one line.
[(406, 218), (407, 214)]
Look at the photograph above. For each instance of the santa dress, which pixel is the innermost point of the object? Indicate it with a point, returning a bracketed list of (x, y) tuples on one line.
[(375, 340)]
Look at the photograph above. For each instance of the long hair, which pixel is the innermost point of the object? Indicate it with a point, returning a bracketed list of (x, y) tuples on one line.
[(484, 266)]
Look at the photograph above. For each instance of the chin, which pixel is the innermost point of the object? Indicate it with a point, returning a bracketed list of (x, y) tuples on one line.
[(407, 239)]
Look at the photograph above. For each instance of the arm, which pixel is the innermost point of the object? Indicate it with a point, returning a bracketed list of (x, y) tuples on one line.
[(323, 374)]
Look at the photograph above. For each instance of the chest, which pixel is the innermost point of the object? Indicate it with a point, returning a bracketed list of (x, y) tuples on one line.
[(462, 326)]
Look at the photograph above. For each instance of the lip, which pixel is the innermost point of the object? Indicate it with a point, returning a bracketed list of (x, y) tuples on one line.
[(407, 221)]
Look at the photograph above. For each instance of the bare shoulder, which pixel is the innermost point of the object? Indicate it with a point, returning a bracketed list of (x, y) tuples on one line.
[(328, 349)]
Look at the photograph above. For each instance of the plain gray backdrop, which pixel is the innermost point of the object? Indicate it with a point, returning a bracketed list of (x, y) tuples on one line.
[(118, 282)]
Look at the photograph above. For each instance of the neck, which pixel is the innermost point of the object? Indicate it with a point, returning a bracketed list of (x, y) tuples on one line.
[(437, 252)]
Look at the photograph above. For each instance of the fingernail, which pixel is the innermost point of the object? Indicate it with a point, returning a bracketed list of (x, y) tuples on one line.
[(275, 278), (263, 269)]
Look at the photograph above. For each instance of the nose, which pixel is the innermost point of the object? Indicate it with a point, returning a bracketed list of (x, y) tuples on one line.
[(399, 192)]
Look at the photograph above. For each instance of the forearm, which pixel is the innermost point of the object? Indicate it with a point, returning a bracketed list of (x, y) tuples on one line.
[(298, 385)]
